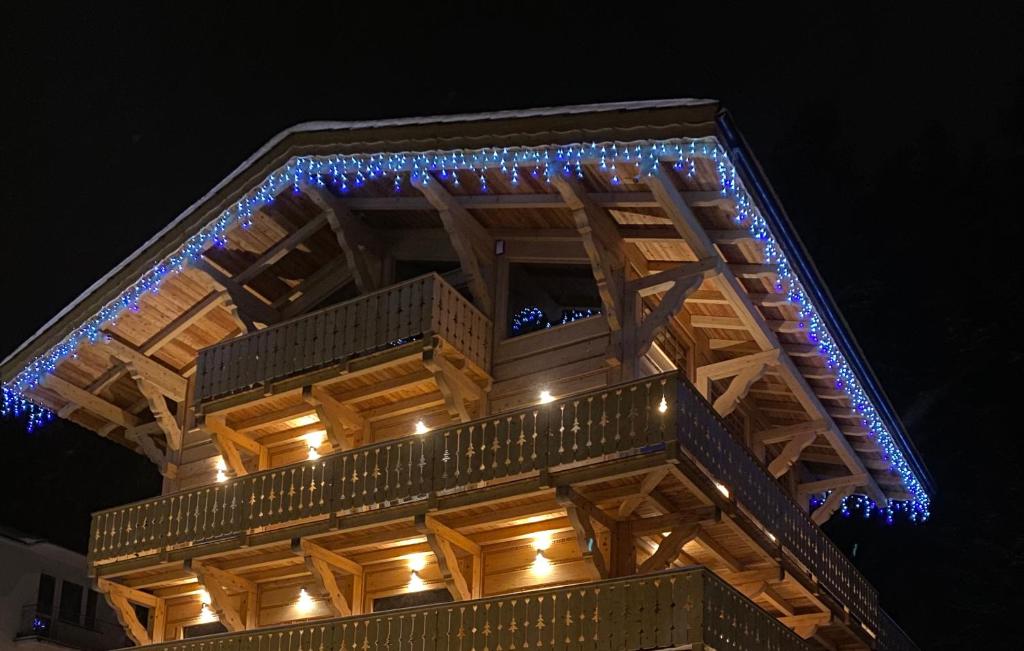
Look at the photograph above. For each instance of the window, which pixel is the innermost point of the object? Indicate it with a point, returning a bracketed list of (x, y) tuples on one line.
[(544, 295), (412, 599), (47, 588), (70, 601), (90, 609)]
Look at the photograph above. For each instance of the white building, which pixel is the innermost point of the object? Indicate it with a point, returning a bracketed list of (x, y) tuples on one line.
[(46, 601)]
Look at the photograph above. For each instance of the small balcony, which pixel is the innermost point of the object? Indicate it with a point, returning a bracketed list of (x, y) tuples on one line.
[(318, 345), (596, 441), (88, 635), (687, 608)]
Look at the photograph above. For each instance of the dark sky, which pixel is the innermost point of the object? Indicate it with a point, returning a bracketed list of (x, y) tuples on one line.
[(894, 138)]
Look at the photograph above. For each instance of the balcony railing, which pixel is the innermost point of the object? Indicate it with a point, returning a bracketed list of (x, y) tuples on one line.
[(703, 434), (91, 636), (684, 608), (891, 637), (367, 324), (634, 418)]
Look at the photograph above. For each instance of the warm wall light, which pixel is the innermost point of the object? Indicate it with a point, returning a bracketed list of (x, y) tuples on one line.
[(304, 603), (542, 540), (541, 565), (221, 468), (415, 582), (722, 489), (206, 614), (663, 405), (314, 440), (421, 427), (417, 562), (546, 397)]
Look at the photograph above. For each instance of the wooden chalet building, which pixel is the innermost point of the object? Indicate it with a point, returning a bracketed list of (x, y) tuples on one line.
[(561, 378)]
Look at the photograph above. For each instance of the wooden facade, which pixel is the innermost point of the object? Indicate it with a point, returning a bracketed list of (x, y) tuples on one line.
[(344, 419)]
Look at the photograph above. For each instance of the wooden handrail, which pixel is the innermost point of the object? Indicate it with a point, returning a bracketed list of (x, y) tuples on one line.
[(519, 443), (388, 317), (682, 608)]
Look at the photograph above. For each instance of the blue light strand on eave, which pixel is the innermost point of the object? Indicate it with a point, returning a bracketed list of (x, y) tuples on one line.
[(346, 172)]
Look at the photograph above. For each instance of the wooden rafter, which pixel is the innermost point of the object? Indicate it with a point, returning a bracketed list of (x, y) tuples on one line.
[(321, 563), (790, 453), (162, 415), (217, 584), (669, 548), (339, 420), (636, 199), (455, 386), (831, 504), (363, 250), (121, 599), (227, 441), (164, 379), (250, 310), (647, 486), (691, 230), (582, 513), (471, 241), (442, 541), (143, 437), (86, 400), (603, 244), (280, 249)]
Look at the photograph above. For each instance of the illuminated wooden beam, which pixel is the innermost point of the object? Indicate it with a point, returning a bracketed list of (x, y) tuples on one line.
[(363, 250), (831, 504), (603, 244), (121, 599), (790, 453), (93, 403), (647, 485), (336, 417), (166, 380), (669, 549), (280, 249), (581, 514), (471, 241), (321, 563), (217, 583)]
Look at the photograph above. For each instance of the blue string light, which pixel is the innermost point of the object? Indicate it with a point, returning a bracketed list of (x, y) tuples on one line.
[(347, 171)]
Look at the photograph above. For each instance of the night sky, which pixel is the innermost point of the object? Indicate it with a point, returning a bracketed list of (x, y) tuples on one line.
[(895, 140)]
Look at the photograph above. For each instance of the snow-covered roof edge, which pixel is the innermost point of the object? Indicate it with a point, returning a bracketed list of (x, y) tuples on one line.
[(322, 125)]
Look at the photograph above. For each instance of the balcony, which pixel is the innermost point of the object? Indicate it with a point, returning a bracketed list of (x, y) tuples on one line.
[(685, 608), (263, 362), (610, 435), (94, 635)]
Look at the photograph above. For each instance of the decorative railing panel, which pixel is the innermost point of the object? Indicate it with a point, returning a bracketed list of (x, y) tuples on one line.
[(891, 637), (629, 417), (364, 325), (632, 418), (676, 609), (704, 435)]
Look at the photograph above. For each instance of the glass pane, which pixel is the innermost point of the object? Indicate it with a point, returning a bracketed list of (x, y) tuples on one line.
[(70, 601), (47, 586)]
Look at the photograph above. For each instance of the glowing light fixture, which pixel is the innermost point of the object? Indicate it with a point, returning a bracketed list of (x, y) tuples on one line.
[(206, 614), (421, 427), (541, 565), (546, 397), (722, 489), (305, 603), (542, 540), (663, 405), (221, 476), (314, 440), (416, 565)]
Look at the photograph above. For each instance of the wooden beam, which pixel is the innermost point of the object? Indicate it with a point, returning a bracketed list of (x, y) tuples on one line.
[(166, 380), (730, 367), (453, 383), (654, 323), (636, 199), (280, 249), (217, 582), (144, 439), (704, 539), (173, 330), (790, 454), (251, 311), (321, 563), (603, 244), (647, 485), (120, 598), (831, 504), (93, 403), (822, 485), (433, 525), (167, 421), (337, 418), (447, 561), (471, 241), (690, 228), (674, 520), (580, 513), (316, 288), (217, 424), (726, 403), (363, 250), (787, 432), (669, 549)]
